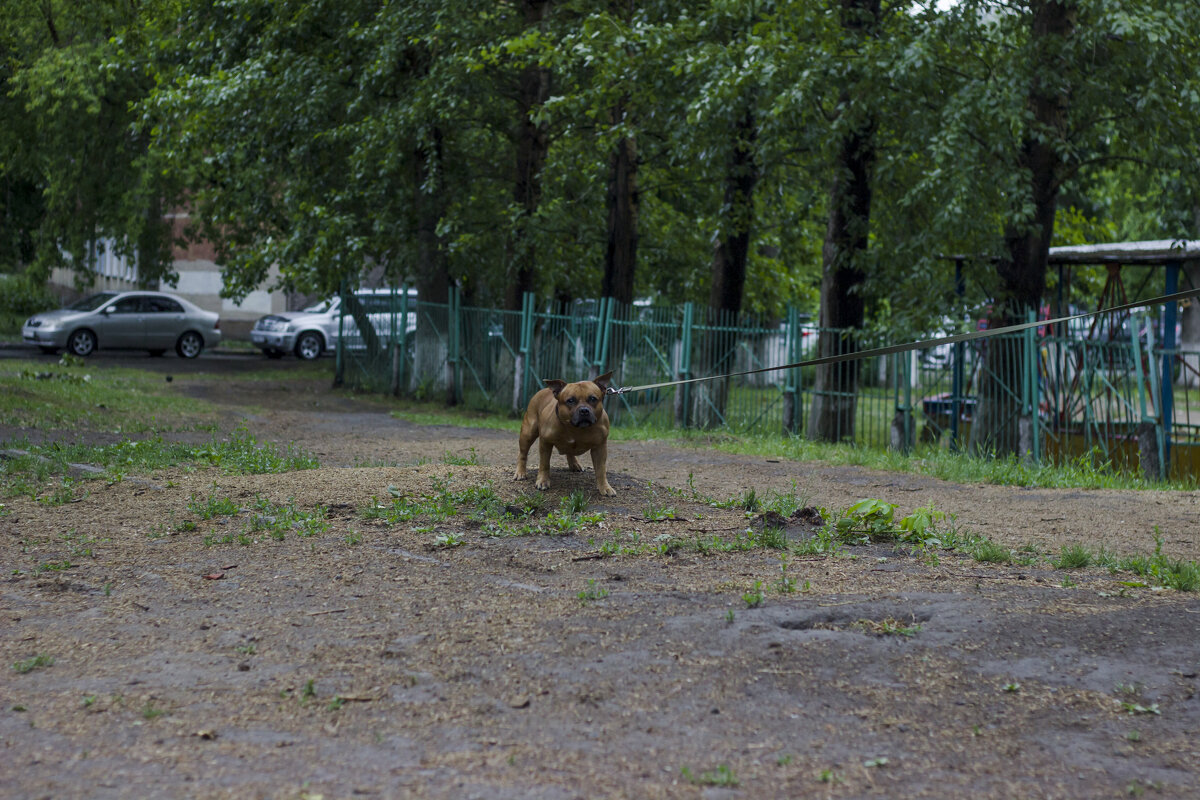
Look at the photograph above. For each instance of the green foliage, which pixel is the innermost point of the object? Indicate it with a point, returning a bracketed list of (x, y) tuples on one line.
[(21, 295), (721, 776), (75, 163), (592, 592), (32, 663)]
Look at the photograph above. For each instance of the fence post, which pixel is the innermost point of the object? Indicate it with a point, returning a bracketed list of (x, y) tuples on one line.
[(1147, 431), (521, 368), (958, 371), (684, 396), (902, 421), (452, 346), (400, 340), (1167, 393), (600, 345), (339, 367), (793, 410)]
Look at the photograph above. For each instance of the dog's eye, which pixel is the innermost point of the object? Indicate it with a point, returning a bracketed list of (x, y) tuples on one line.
[(592, 398), (571, 401)]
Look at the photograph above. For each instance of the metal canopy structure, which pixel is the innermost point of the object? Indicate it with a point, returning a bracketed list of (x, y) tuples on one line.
[(1172, 255), (1161, 252)]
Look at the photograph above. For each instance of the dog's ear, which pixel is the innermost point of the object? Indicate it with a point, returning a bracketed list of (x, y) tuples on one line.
[(603, 381), (555, 385)]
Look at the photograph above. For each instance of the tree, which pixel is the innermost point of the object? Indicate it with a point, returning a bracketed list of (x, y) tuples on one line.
[(75, 166), (1054, 91), (842, 303)]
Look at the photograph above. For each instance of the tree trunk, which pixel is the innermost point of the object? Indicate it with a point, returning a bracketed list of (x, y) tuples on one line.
[(433, 282), (841, 313), (620, 259), (730, 256), (532, 143), (841, 316), (1022, 270)]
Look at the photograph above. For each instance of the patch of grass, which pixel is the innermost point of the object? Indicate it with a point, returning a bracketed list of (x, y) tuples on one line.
[(592, 592), (149, 711), (888, 626), (1157, 568), (988, 552), (574, 503), (658, 513), (35, 662), (1073, 556), (748, 500), (242, 454), (786, 583), (721, 776), (439, 505), (76, 395), (754, 597), (44, 473), (214, 506), (471, 460)]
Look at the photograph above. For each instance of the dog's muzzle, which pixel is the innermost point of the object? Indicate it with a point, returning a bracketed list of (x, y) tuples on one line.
[(583, 417)]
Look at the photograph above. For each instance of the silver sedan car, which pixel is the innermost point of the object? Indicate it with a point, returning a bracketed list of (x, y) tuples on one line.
[(150, 321)]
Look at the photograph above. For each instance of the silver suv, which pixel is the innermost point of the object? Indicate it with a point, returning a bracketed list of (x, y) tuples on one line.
[(314, 330)]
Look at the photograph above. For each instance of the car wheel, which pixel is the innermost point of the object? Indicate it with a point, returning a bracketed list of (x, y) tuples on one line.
[(309, 345), (49, 350), (155, 353), (189, 345), (82, 342)]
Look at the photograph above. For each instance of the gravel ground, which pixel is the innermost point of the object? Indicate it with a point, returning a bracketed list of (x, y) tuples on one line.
[(423, 657)]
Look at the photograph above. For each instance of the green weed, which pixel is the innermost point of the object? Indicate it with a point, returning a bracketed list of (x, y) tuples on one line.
[(721, 776), (988, 552), (35, 662), (1073, 557), (592, 592)]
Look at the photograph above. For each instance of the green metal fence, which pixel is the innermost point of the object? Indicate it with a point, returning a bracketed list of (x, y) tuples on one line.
[(1051, 395)]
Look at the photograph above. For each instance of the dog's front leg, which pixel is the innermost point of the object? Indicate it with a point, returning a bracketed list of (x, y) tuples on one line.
[(599, 463), (526, 442), (543, 476)]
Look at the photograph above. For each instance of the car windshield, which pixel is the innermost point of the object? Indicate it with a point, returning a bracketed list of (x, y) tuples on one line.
[(93, 302), (319, 308)]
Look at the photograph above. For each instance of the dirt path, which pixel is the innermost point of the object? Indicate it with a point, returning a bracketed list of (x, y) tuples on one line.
[(361, 658)]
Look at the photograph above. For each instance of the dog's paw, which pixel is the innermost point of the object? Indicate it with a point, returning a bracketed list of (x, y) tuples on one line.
[(520, 476), (542, 483), (607, 490)]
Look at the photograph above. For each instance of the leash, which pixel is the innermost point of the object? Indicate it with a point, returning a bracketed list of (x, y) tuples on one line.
[(900, 348)]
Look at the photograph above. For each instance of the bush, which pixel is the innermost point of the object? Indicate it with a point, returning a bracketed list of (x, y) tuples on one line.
[(21, 296)]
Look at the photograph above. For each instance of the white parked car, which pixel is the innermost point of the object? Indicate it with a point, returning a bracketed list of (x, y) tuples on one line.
[(314, 330), (150, 321)]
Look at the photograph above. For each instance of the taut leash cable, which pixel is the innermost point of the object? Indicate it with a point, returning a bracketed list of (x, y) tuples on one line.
[(900, 348)]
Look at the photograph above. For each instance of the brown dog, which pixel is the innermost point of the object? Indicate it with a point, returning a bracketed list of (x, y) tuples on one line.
[(569, 416)]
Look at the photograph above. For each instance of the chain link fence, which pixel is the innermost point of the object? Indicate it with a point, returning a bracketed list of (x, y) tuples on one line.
[(1050, 395)]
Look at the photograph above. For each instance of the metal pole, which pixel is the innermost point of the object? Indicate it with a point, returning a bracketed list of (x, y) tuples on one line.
[(339, 367), (403, 336), (956, 379), (1170, 317), (685, 366)]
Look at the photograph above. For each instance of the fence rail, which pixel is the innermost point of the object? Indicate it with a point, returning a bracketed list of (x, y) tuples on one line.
[(1050, 395)]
